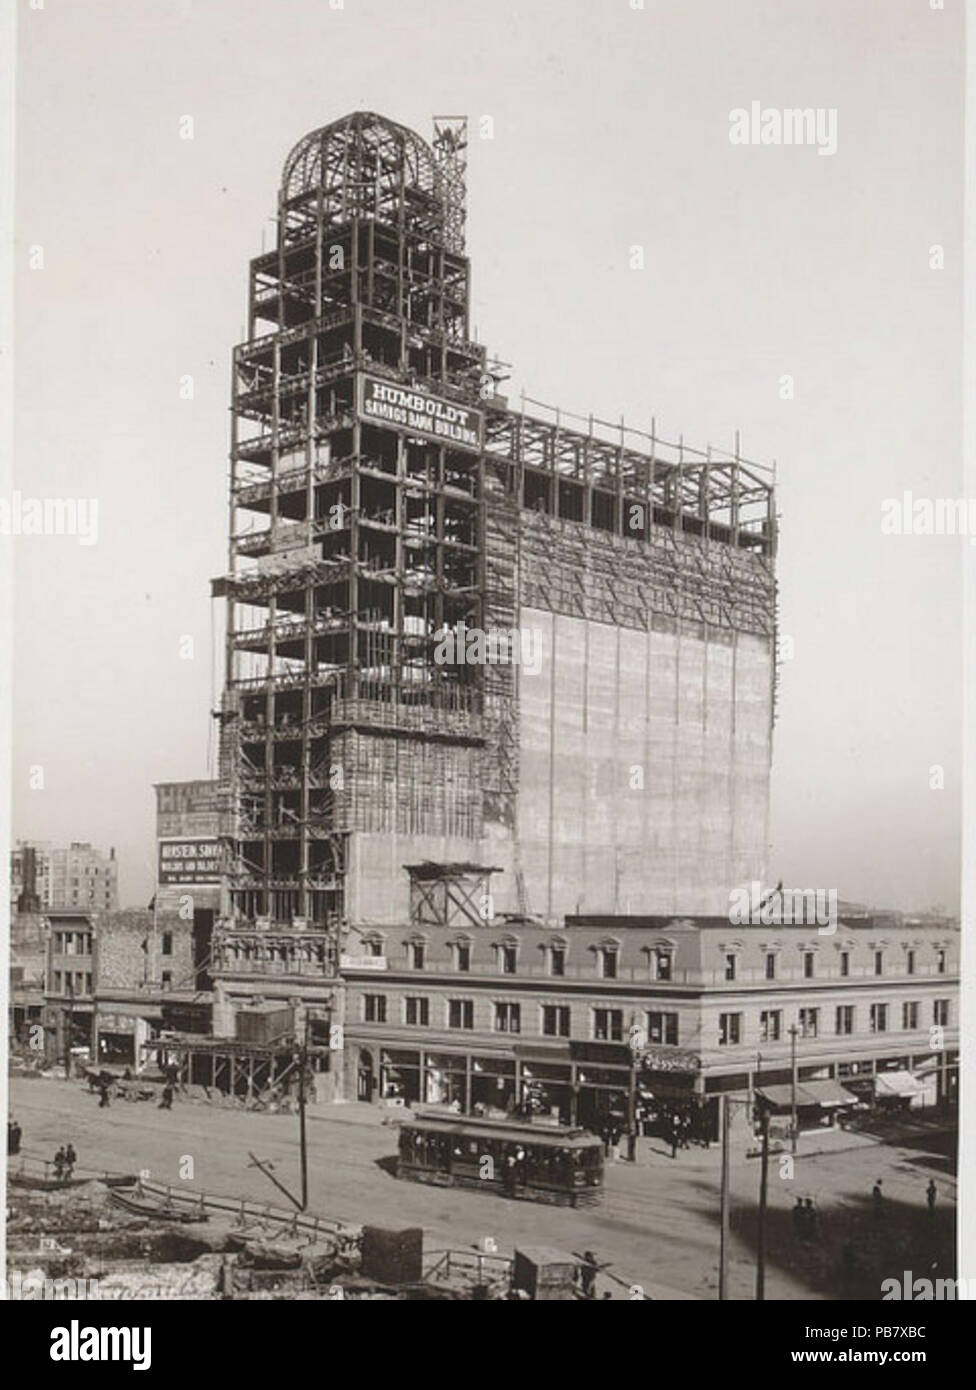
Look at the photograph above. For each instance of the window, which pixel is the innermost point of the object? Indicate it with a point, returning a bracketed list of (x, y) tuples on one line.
[(508, 1018), (167, 978), (940, 1012), (808, 965), (845, 1019), (940, 962), (555, 1020), (845, 963), (909, 1015), (374, 947), (417, 1011), (729, 1029), (910, 963), (88, 982), (509, 960), (662, 1028), (167, 943), (557, 960), (608, 962), (463, 958), (418, 954), (730, 965), (608, 1025), (662, 964), (879, 962), (460, 1013), (879, 1018), (374, 1008), (809, 1022), (57, 982), (770, 965), (770, 1025)]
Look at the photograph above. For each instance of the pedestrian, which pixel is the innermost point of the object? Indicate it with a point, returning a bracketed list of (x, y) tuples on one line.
[(14, 1138), (60, 1158), (520, 1165), (930, 1194), (877, 1197), (511, 1162), (588, 1273), (103, 1092), (812, 1218), (167, 1101), (799, 1218), (70, 1159), (685, 1131), (675, 1135)]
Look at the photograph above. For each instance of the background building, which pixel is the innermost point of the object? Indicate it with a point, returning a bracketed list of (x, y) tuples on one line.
[(28, 975), (45, 876)]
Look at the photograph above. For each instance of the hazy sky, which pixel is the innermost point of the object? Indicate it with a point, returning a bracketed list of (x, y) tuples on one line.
[(611, 129)]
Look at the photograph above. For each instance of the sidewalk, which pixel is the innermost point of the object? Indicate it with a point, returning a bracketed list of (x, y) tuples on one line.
[(653, 1152)]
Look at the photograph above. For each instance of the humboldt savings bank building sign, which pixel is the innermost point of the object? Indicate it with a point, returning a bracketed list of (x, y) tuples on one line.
[(419, 412)]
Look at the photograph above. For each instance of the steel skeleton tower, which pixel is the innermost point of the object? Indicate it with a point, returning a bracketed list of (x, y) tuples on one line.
[(383, 494)]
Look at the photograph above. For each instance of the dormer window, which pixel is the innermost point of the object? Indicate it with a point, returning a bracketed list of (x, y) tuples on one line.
[(609, 954), (507, 954), (661, 963), (557, 958)]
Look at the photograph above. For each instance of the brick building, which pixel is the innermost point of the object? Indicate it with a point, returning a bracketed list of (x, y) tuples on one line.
[(28, 974)]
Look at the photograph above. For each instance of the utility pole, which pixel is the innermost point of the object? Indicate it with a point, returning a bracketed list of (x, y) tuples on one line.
[(724, 1226), (763, 1189), (71, 1026), (793, 1032), (302, 1064), (635, 1042)]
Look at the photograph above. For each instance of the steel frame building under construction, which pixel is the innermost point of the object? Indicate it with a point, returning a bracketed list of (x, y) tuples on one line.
[(383, 495)]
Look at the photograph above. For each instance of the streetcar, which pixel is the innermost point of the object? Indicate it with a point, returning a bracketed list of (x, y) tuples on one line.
[(559, 1164)]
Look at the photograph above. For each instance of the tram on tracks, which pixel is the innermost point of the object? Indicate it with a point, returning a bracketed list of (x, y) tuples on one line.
[(561, 1164)]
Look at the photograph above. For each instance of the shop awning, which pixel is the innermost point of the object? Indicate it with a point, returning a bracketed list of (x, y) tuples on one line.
[(823, 1093), (781, 1097), (897, 1083), (828, 1093)]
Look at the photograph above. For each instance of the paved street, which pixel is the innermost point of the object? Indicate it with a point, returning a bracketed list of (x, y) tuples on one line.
[(658, 1225)]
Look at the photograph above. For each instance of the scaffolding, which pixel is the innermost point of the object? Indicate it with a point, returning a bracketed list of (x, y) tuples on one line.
[(358, 540)]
